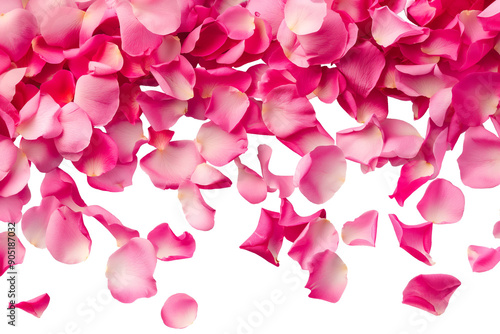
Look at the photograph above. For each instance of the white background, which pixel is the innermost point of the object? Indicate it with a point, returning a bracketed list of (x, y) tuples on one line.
[(232, 285)]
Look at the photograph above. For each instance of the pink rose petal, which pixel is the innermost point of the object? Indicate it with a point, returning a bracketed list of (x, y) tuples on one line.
[(198, 213), (35, 306), (362, 231), (328, 277), (170, 247), (442, 203), (179, 311), (4, 255), (482, 259)]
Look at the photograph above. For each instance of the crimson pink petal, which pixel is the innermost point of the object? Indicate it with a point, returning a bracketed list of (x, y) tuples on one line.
[(35, 306), (496, 230), (179, 311), (362, 231), (388, 28), (169, 246), (328, 277)]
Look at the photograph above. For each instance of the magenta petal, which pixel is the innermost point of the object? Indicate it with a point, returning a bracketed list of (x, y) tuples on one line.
[(415, 239), (267, 239), (321, 173), (328, 277), (293, 223), (179, 311), (482, 259), (442, 203), (362, 231), (176, 78), (42, 152), (130, 271), (4, 255), (100, 156), (198, 213), (430, 293), (413, 175), (251, 185), (67, 239), (35, 306), (36, 220), (170, 247), (59, 184)]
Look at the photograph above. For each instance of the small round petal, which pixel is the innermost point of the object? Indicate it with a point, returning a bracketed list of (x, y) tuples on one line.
[(170, 247), (442, 203), (198, 213), (362, 231), (482, 259), (130, 271), (328, 277), (321, 173), (35, 306), (179, 311), (430, 293)]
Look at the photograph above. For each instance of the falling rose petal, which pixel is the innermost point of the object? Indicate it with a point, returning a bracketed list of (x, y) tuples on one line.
[(442, 203), (130, 271), (179, 311), (293, 223), (251, 185), (218, 146), (362, 231), (59, 184), (319, 235), (39, 118), (401, 139), (480, 146), (11, 207), (77, 130), (362, 144), (19, 27), (331, 85), (169, 167), (121, 233), (61, 87), (161, 110), (41, 152), (285, 112), (321, 173), (98, 96), (176, 78), (170, 247), (415, 239), (274, 182), (413, 175), (9, 156), (4, 255), (100, 156), (17, 178), (227, 107), (127, 136), (36, 219), (239, 22), (267, 239), (61, 27), (116, 179), (304, 17), (496, 230), (482, 259), (161, 18), (66, 237), (208, 177), (198, 213), (35, 306), (388, 28), (328, 277), (430, 293)]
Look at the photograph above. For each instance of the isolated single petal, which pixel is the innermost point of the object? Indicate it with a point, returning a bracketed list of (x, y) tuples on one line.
[(362, 231), (328, 277), (36, 219), (442, 203), (179, 311), (482, 259), (35, 306), (19, 250), (208, 177), (198, 213), (250, 185), (169, 246)]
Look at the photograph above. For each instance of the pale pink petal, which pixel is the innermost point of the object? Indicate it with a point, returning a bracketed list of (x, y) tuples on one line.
[(59, 184), (430, 293), (321, 173), (319, 235), (41, 152), (362, 67), (98, 97), (50, 54), (415, 239), (251, 185), (100, 156), (35, 306), (36, 219), (8, 81), (170, 247), (9, 156), (66, 237), (121, 233), (107, 60), (479, 162), (442, 203), (363, 108), (270, 11), (239, 22), (482, 259), (413, 175), (328, 277), (11, 207), (116, 179), (61, 27), (208, 177), (305, 17), (293, 223), (169, 167), (17, 178), (362, 144), (388, 28), (20, 251), (179, 311), (421, 80), (331, 85), (39, 118), (285, 112), (127, 136), (267, 239), (159, 17), (439, 105), (176, 78), (442, 42), (130, 271), (496, 230), (77, 130), (227, 107), (274, 182), (19, 27), (161, 111), (198, 213), (218, 146), (362, 231), (401, 139), (306, 140)]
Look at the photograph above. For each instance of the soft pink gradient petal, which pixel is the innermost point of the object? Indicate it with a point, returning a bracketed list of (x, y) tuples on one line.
[(179, 311), (304, 17), (8, 81), (401, 139), (42, 153), (442, 203), (321, 173), (59, 184), (17, 178), (413, 175), (482, 259), (159, 17), (61, 87), (9, 156), (208, 177), (250, 185), (267, 239), (36, 219), (100, 156), (198, 213), (239, 22), (130, 271), (415, 239), (176, 78), (362, 231), (293, 223), (35, 306), (169, 246), (161, 111), (11, 207), (61, 27), (328, 277), (127, 136), (77, 130), (227, 107), (66, 237), (20, 251), (496, 230), (116, 179), (430, 293), (107, 60), (362, 144), (388, 28), (40, 118), (274, 182), (306, 140), (19, 27)]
